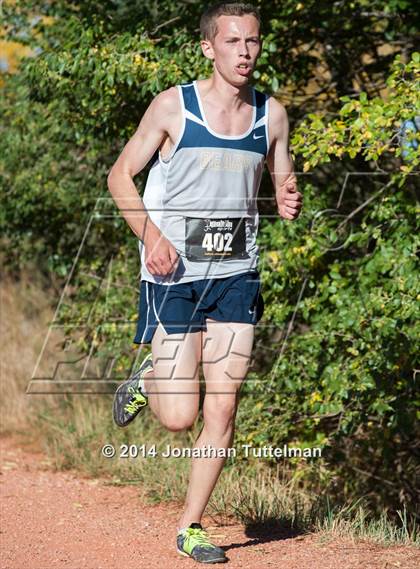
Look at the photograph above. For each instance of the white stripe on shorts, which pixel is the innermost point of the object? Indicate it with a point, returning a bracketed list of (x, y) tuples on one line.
[(148, 310)]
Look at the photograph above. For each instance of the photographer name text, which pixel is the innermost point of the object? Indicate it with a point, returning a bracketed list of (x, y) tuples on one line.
[(208, 451)]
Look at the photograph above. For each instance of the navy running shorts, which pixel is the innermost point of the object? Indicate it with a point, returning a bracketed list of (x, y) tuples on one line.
[(184, 307)]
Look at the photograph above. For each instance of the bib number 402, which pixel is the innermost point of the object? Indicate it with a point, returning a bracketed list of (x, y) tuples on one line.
[(217, 242)]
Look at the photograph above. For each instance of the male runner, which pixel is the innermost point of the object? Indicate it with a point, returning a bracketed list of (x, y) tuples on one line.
[(197, 225)]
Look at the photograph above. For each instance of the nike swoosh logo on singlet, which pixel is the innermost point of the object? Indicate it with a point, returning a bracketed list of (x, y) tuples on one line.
[(256, 137)]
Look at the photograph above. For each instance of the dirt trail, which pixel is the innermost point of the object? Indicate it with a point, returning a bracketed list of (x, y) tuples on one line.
[(61, 520)]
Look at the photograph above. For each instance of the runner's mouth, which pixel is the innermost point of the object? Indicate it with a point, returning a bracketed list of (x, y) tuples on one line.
[(243, 68)]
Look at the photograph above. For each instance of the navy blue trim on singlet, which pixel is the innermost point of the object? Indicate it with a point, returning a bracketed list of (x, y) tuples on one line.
[(190, 100), (260, 103), (260, 99), (197, 136)]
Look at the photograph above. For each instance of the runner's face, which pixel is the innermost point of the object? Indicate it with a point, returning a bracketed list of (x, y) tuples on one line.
[(235, 48)]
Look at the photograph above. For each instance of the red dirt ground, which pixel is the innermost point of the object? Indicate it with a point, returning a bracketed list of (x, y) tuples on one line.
[(63, 521)]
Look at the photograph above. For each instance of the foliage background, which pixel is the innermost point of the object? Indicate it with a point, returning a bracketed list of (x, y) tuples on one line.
[(335, 359)]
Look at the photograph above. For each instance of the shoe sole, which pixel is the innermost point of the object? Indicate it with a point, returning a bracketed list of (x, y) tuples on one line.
[(220, 560), (114, 415)]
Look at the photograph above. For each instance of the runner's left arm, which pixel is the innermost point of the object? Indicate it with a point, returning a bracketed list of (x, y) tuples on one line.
[(280, 163)]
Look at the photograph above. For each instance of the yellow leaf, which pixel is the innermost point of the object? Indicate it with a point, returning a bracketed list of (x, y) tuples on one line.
[(273, 257)]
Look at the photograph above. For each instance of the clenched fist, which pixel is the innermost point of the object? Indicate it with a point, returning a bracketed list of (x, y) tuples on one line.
[(289, 200), (161, 257)]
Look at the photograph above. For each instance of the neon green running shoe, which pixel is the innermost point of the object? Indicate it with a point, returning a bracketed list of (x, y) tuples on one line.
[(193, 542), (130, 398)]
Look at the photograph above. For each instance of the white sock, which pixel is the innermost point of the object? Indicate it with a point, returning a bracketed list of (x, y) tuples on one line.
[(142, 386), (181, 529)]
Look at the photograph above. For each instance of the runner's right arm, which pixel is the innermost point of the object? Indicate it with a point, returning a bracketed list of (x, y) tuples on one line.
[(155, 126)]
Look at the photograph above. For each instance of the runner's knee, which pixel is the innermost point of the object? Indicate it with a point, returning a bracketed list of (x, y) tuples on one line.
[(219, 411)]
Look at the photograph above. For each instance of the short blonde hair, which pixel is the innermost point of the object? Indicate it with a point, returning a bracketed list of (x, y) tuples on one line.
[(208, 23)]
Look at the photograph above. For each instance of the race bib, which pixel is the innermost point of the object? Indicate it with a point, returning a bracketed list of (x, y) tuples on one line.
[(215, 238)]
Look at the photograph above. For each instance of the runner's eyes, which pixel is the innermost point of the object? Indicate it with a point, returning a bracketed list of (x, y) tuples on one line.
[(235, 41)]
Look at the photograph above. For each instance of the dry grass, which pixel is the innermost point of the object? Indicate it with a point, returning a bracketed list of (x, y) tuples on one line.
[(25, 313)]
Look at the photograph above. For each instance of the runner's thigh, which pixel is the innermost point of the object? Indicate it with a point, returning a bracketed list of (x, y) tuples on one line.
[(226, 355), (176, 360)]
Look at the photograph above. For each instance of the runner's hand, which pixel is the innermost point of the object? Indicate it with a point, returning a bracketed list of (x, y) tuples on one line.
[(161, 257), (289, 200)]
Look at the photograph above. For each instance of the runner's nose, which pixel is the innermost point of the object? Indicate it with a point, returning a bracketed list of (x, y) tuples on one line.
[(244, 49)]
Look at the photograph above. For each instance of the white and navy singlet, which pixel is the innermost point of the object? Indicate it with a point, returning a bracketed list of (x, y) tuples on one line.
[(203, 196)]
